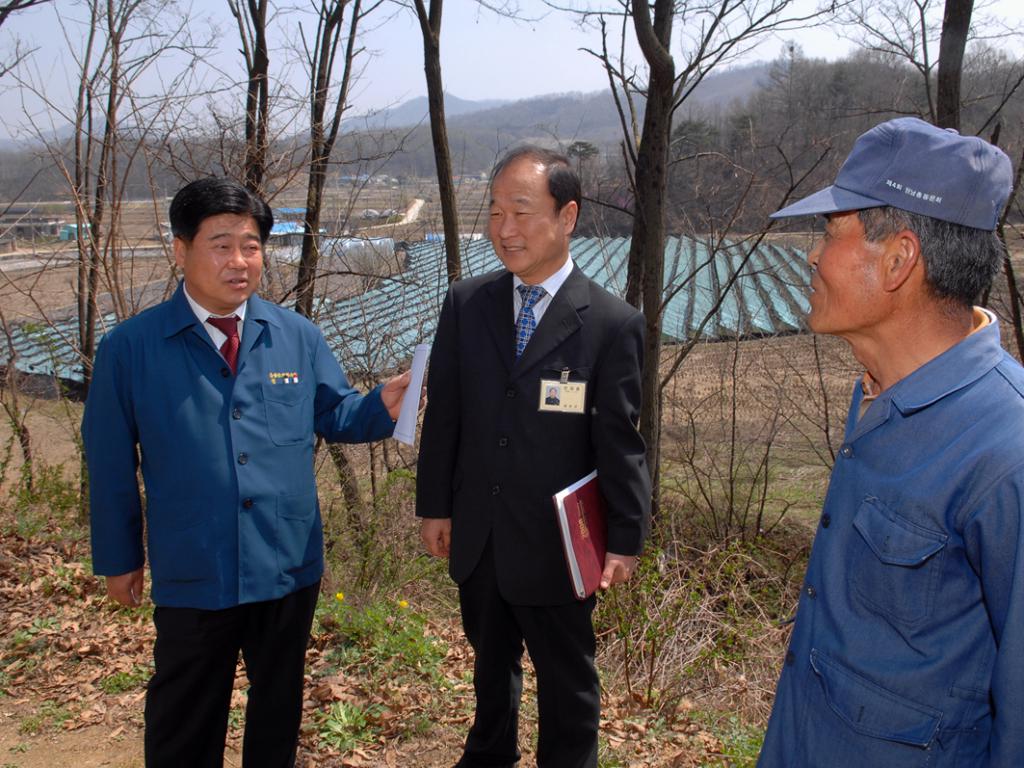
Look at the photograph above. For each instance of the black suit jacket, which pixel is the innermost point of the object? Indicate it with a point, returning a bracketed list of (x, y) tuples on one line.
[(491, 460)]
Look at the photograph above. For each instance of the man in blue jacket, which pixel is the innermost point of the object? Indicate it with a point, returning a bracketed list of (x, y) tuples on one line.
[(908, 645), (218, 396)]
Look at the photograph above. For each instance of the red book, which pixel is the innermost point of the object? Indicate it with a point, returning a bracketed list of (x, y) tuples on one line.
[(582, 521)]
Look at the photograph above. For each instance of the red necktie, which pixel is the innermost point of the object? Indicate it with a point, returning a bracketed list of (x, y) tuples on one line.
[(229, 327)]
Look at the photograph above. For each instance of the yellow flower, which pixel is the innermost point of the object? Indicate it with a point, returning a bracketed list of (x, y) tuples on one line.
[(340, 597), (403, 603)]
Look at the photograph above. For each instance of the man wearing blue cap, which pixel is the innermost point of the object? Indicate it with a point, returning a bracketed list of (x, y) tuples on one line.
[(908, 645)]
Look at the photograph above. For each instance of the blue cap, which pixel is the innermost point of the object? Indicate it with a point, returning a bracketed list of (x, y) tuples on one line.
[(912, 165)]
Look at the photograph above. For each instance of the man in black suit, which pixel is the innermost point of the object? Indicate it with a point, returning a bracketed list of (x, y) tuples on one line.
[(491, 457)]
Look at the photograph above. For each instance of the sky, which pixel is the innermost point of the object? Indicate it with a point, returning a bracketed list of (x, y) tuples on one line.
[(484, 56)]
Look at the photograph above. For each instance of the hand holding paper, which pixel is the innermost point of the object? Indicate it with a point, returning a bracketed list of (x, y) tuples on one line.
[(405, 428)]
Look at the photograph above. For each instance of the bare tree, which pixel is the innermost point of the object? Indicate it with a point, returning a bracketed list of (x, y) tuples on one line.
[(714, 33), (430, 26), (251, 16), (956, 23), (19, 53), (110, 123), (325, 120)]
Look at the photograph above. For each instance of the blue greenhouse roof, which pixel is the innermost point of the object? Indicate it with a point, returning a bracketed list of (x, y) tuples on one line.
[(377, 329)]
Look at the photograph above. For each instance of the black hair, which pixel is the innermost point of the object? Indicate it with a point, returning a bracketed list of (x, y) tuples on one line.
[(211, 196), (563, 182), (959, 262)]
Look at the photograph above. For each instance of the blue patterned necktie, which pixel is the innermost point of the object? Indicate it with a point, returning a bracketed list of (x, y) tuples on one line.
[(525, 321)]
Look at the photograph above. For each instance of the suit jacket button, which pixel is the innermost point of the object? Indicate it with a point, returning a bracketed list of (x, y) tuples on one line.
[(826, 520), (247, 503), (243, 458), (236, 414), (495, 490), (225, 372), (510, 392), (502, 442)]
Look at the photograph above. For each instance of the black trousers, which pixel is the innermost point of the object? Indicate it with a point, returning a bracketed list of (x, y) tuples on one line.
[(560, 640), (189, 695)]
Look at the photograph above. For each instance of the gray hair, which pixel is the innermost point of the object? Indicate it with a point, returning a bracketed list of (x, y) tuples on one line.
[(563, 183), (960, 262)]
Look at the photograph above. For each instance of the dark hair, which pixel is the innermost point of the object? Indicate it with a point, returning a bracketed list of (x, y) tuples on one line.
[(211, 196), (563, 183), (959, 261)]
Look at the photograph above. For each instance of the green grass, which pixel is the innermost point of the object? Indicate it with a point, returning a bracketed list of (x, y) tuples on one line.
[(741, 742), (120, 682), (49, 716), (384, 638), (345, 726)]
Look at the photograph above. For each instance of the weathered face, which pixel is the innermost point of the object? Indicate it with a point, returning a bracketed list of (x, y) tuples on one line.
[(223, 263), (846, 283), (529, 235)]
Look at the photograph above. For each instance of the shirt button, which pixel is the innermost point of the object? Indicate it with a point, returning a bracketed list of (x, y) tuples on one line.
[(510, 392), (243, 458), (826, 520), (502, 442), (495, 490), (225, 372), (811, 592), (247, 503), (236, 413), (846, 451), (790, 659)]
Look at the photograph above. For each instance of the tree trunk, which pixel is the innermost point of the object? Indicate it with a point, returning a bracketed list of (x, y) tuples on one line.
[(257, 102), (955, 23), (430, 25), (647, 249)]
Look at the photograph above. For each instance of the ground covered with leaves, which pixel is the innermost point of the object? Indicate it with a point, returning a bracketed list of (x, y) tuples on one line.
[(389, 680)]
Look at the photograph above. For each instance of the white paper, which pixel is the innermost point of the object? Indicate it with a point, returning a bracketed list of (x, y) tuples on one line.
[(405, 428)]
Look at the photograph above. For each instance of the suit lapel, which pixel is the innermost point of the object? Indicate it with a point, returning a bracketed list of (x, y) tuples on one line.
[(560, 321), (499, 319)]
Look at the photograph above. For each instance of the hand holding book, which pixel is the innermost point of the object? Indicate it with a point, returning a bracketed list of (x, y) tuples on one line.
[(581, 512)]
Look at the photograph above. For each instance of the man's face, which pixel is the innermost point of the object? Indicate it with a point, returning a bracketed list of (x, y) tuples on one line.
[(222, 264), (846, 295), (530, 237)]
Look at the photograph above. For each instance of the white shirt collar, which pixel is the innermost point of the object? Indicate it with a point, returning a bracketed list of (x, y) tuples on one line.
[(202, 313), (553, 283)]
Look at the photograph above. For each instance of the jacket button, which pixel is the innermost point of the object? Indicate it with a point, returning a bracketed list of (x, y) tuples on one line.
[(846, 451), (495, 490), (225, 372), (811, 592), (243, 458), (247, 503), (502, 442), (790, 659), (826, 520), (510, 392), (236, 413)]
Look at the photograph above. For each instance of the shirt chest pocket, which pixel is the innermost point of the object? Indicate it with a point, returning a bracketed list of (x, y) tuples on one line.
[(289, 412), (895, 563)]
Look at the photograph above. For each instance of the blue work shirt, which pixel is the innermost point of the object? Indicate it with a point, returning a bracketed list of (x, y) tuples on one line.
[(908, 646), (231, 509)]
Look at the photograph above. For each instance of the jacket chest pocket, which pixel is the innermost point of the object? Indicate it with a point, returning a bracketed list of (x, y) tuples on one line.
[(289, 413), (895, 562)]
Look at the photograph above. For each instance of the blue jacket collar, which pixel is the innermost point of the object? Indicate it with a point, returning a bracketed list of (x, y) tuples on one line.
[(959, 366), (181, 317)]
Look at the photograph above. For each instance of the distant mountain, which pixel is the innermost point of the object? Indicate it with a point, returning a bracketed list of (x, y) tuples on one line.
[(479, 135), (415, 111)]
